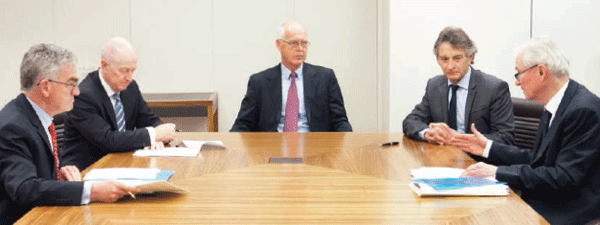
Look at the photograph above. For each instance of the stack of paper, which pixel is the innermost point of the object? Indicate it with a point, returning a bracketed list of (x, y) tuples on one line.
[(184, 149), (443, 181), (148, 180)]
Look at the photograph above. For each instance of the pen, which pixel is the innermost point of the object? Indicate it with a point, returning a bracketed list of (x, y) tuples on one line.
[(131, 194), (389, 143), (177, 130)]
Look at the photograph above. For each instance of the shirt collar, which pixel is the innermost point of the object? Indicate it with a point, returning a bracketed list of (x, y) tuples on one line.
[(464, 82), (107, 88), (285, 72), (44, 117), (552, 105)]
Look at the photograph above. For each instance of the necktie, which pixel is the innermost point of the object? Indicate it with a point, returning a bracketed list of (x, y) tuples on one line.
[(119, 113), (544, 123), (452, 108), (52, 132), (291, 107)]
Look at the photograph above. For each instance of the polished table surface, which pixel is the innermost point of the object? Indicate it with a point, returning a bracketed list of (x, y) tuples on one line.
[(344, 178)]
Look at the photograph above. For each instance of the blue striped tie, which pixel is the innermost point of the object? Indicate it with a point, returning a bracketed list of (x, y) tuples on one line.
[(119, 113)]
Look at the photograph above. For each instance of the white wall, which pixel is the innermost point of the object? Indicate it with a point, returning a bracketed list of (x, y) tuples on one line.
[(497, 27), (202, 45)]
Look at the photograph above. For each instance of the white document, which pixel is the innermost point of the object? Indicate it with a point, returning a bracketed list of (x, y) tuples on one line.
[(424, 189), (171, 151), (121, 173), (200, 144), (147, 187)]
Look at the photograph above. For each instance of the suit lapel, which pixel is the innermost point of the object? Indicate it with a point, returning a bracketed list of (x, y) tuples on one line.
[(309, 78), (470, 98), (274, 83), (35, 121), (104, 99), (442, 92), (564, 102)]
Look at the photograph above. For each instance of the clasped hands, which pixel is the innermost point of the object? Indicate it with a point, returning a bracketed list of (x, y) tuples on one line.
[(440, 133)]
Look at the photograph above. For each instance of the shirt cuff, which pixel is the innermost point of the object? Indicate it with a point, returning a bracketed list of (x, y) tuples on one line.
[(422, 133), (85, 196), (486, 151), (152, 135)]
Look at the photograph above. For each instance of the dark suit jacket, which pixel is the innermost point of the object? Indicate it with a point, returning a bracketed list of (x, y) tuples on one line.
[(488, 105), (91, 127), (27, 167), (560, 178), (261, 107)]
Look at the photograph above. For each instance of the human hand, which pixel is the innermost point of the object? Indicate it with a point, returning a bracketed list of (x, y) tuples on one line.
[(473, 143), (70, 173), (480, 169), (110, 191), (165, 132), (439, 133)]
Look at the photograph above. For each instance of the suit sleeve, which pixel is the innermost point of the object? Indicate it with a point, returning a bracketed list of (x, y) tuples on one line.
[(577, 141), (19, 171), (502, 121), (247, 118), (337, 111), (86, 117), (419, 118)]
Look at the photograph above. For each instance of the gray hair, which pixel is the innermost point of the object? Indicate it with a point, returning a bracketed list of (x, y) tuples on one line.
[(458, 38), (114, 47), (289, 25), (542, 50), (44, 61)]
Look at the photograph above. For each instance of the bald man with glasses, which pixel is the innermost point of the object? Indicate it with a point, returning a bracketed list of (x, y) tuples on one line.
[(293, 96)]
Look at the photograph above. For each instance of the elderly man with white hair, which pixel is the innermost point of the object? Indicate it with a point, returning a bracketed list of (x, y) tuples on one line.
[(293, 96), (560, 178), (110, 115)]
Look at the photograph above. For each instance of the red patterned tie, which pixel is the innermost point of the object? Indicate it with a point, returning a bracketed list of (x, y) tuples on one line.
[(55, 150), (291, 107)]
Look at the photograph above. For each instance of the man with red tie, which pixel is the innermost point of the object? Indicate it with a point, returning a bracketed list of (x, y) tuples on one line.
[(31, 171), (293, 96)]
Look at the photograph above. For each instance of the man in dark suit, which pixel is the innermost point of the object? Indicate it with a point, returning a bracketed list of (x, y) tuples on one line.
[(29, 161), (560, 178), (460, 97), (110, 114), (293, 96)]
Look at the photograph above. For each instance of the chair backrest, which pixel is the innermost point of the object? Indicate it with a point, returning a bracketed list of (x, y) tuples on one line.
[(59, 126), (527, 119)]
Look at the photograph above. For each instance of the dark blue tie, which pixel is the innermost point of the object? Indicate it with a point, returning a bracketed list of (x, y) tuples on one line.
[(119, 113), (452, 108)]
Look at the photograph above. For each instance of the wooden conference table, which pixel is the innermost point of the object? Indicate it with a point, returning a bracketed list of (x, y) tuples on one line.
[(344, 178)]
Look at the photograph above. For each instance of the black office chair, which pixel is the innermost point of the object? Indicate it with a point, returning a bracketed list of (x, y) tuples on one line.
[(527, 119), (59, 126)]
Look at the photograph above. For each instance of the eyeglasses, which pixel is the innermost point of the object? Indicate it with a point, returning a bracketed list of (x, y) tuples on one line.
[(525, 70), (73, 86), (295, 44)]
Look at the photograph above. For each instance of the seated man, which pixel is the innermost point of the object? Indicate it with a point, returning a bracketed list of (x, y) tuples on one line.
[(31, 171), (560, 178), (110, 114), (460, 97), (293, 96)]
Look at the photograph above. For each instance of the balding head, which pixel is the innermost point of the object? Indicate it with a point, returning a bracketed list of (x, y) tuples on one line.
[(290, 27), (118, 61)]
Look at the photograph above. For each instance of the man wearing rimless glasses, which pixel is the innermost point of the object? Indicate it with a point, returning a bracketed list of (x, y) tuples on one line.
[(110, 114)]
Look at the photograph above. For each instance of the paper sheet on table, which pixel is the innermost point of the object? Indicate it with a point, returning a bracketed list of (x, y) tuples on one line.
[(446, 181), (154, 186), (171, 151), (121, 173), (200, 144)]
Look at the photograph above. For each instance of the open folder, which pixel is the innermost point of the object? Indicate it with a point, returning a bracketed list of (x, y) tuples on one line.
[(148, 180), (444, 181)]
